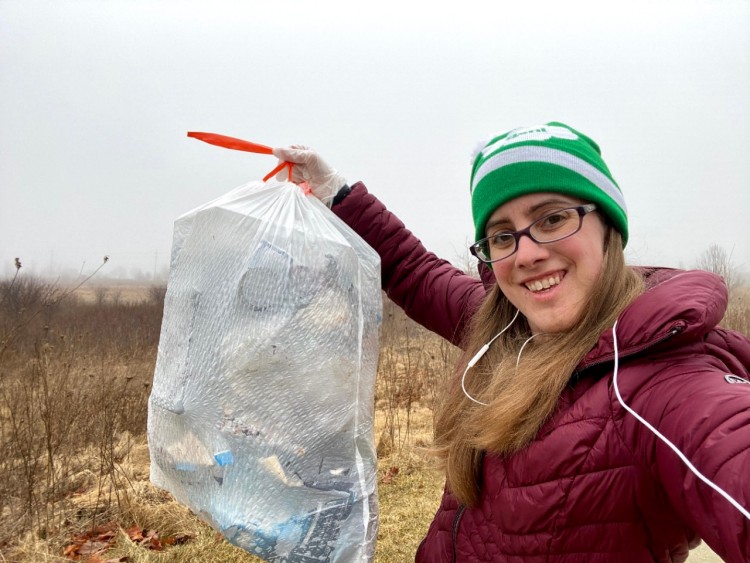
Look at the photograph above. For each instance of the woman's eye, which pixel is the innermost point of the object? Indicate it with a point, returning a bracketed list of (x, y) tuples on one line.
[(554, 220), (502, 240)]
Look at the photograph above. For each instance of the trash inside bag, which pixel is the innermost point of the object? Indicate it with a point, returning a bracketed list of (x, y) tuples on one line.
[(261, 415)]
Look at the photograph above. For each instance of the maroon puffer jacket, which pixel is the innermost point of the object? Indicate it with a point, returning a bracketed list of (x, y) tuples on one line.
[(596, 484)]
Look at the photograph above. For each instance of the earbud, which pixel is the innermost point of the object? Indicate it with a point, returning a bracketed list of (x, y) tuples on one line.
[(478, 356)]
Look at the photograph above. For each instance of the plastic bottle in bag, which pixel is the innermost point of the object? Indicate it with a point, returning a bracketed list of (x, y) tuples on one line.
[(261, 413)]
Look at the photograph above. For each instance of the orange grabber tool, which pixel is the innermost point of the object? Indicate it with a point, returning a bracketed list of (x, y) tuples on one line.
[(241, 145)]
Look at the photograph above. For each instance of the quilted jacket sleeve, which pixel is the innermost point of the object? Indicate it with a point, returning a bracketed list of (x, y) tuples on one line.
[(431, 291), (706, 415)]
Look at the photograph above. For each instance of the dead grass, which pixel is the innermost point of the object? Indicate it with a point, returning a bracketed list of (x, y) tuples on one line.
[(74, 382), (409, 492), (116, 293), (737, 316)]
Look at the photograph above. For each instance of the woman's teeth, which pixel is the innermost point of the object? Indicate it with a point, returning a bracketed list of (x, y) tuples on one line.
[(539, 285)]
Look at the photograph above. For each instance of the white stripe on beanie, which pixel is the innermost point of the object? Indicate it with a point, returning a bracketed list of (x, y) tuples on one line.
[(550, 156)]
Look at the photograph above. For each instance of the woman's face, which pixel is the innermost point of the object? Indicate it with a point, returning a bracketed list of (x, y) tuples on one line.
[(549, 283)]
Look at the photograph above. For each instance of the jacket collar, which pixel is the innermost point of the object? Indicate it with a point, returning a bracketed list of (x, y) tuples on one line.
[(677, 306)]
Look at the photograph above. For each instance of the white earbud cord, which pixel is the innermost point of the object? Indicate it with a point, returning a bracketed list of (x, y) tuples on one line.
[(482, 352), (659, 435)]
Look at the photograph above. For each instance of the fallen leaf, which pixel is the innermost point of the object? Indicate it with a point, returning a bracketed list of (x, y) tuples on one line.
[(93, 547), (177, 539), (91, 543), (107, 536), (389, 475), (135, 533), (180, 539), (98, 559)]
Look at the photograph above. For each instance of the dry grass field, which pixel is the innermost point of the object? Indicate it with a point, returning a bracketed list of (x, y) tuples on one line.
[(116, 293), (75, 376)]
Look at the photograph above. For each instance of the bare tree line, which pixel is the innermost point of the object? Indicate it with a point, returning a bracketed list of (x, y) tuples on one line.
[(717, 260)]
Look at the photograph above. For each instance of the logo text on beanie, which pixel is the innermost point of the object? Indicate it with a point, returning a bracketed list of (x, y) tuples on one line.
[(536, 133)]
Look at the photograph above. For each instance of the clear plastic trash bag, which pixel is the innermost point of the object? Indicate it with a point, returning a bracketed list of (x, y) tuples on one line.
[(261, 415)]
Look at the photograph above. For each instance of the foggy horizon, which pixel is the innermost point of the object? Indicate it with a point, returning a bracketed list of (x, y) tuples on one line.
[(96, 100)]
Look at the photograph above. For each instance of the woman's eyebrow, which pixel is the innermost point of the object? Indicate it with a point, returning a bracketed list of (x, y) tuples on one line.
[(552, 201), (497, 222)]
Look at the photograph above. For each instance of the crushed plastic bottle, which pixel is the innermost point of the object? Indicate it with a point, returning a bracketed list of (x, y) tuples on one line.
[(261, 413)]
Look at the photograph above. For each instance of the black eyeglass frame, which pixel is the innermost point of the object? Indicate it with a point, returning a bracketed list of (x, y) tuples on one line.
[(582, 211)]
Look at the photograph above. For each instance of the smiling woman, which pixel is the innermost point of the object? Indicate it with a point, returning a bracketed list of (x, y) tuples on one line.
[(590, 418)]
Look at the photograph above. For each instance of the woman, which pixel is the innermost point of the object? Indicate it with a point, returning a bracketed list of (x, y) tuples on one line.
[(586, 389)]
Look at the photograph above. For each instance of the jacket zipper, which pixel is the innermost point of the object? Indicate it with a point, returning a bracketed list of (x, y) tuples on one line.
[(456, 521)]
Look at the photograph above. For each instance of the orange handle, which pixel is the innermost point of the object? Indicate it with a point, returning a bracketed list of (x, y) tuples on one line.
[(278, 169), (230, 142), (241, 145)]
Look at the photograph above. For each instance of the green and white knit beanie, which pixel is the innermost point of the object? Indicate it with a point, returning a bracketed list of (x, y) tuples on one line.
[(545, 158)]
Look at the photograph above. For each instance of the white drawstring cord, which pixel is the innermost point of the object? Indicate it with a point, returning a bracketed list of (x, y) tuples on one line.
[(482, 352), (658, 434)]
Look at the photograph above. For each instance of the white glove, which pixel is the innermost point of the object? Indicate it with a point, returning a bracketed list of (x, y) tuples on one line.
[(324, 181)]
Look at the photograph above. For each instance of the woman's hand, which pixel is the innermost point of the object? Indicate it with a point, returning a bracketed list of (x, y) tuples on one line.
[(324, 181)]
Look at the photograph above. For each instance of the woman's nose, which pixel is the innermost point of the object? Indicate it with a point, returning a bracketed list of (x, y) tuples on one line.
[(529, 251)]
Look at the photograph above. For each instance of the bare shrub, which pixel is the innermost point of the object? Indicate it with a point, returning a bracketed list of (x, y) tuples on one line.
[(414, 366), (737, 316), (717, 260), (156, 294), (26, 303), (115, 295), (100, 294), (74, 379)]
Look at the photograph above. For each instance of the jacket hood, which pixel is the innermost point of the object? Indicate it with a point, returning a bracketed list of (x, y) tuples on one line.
[(677, 305)]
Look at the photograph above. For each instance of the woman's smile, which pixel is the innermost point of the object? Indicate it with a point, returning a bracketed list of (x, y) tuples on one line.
[(544, 283)]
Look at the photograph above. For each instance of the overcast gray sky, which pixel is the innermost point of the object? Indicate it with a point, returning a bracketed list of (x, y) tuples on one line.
[(96, 98)]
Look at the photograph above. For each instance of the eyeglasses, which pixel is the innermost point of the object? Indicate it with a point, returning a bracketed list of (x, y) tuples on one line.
[(555, 226)]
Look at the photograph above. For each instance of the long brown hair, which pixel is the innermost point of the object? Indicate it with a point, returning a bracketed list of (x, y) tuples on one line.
[(520, 398)]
